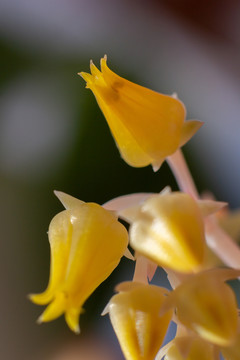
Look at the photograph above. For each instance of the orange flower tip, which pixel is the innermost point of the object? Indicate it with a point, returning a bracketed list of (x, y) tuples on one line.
[(103, 61), (94, 70), (86, 76), (82, 74)]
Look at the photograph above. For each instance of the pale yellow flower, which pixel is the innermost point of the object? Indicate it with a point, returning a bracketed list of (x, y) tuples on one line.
[(147, 126), (168, 228), (206, 305), (134, 314), (87, 243)]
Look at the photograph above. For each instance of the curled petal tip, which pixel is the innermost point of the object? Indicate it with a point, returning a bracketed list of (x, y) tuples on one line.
[(103, 61), (86, 76), (40, 299)]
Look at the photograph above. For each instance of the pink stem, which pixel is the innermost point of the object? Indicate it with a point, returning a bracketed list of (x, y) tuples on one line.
[(141, 269), (182, 174)]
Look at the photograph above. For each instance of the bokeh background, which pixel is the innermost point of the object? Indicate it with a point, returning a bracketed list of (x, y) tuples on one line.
[(53, 136)]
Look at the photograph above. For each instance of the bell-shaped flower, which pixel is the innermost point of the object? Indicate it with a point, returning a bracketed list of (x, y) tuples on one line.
[(147, 126), (87, 243), (168, 229), (206, 305), (134, 313)]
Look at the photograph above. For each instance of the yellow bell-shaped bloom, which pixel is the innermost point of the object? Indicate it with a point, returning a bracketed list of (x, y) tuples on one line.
[(87, 243), (191, 348), (207, 306), (169, 230), (134, 314), (147, 126)]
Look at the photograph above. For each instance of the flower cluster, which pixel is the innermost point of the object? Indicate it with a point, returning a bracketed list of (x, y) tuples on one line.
[(178, 231)]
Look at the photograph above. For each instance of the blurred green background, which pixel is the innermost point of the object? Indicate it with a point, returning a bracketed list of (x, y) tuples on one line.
[(53, 136)]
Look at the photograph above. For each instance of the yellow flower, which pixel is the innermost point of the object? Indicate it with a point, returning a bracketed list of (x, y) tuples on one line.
[(168, 229), (134, 314), (87, 243), (147, 126), (207, 306)]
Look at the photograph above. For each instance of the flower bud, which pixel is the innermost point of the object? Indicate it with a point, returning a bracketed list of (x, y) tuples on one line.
[(134, 314), (87, 243), (169, 230), (207, 306)]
